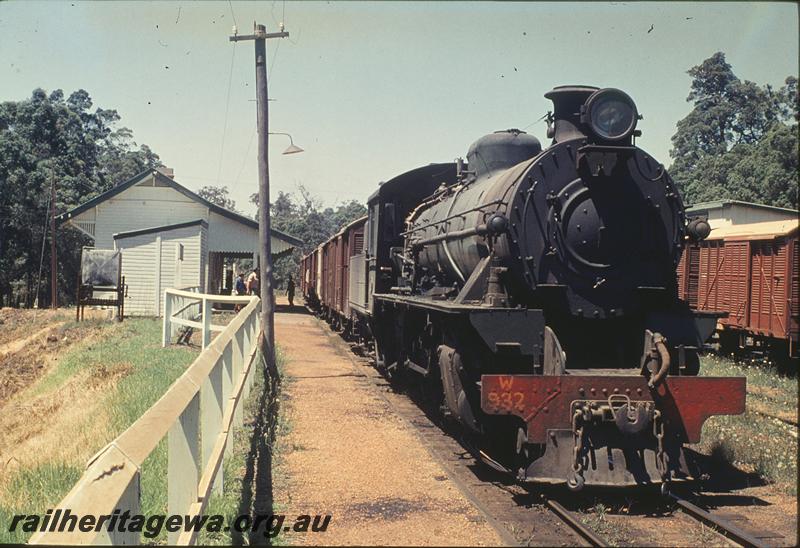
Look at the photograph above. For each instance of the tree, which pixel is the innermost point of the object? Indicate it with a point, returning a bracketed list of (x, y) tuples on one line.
[(739, 141), (218, 195), (305, 218), (46, 138)]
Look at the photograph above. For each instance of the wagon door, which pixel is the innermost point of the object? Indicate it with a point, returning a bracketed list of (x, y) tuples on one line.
[(324, 274), (711, 264), (736, 283), (689, 274), (769, 288), (344, 259)]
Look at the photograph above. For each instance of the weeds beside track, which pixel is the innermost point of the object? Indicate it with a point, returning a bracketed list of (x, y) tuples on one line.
[(764, 439)]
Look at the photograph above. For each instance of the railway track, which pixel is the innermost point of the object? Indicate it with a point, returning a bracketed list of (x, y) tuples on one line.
[(576, 524), (724, 526), (522, 516), (721, 525), (784, 422)]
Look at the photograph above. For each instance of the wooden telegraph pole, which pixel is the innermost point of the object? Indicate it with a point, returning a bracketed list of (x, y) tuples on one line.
[(260, 37), (53, 258)]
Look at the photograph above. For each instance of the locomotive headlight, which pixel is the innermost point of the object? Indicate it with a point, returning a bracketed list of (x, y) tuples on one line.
[(611, 114)]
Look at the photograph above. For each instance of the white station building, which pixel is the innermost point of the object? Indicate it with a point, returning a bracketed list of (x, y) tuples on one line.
[(170, 238)]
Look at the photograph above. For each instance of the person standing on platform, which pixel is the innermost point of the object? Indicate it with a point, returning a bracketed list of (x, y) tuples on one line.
[(254, 283), (290, 290), (240, 289)]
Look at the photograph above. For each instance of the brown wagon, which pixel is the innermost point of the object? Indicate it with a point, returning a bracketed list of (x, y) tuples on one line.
[(327, 254), (749, 271), (308, 278), (326, 277)]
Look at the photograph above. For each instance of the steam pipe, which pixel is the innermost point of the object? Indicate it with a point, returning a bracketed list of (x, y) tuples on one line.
[(479, 230), (665, 363)]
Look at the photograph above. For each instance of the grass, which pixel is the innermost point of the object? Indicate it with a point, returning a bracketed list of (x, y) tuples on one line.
[(615, 532), (28, 488), (758, 441), (130, 352), (229, 503), (280, 448), (705, 536), (764, 382)]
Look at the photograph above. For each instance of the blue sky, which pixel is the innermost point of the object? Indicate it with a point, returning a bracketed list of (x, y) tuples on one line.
[(370, 90)]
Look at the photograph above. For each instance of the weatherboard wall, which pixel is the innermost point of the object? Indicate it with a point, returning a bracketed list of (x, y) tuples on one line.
[(142, 207), (152, 262), (152, 203)]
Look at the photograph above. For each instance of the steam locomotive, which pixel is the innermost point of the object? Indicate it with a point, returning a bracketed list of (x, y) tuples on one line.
[(535, 291)]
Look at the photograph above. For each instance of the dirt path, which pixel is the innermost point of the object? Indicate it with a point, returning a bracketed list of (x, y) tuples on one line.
[(347, 454), (18, 344), (56, 425)]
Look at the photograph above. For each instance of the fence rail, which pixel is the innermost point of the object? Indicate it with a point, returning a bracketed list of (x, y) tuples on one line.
[(198, 414), (184, 307)]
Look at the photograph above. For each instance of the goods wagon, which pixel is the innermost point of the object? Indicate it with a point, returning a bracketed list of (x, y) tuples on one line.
[(328, 270), (309, 274), (749, 271)]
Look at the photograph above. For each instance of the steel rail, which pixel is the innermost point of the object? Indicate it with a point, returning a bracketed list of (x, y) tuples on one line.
[(720, 525), (567, 517)]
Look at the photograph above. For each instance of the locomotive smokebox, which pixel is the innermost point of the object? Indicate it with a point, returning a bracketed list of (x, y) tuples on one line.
[(501, 150)]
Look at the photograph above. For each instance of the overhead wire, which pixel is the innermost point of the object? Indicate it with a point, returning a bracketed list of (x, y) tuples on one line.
[(269, 85), (295, 42), (244, 161), (272, 64), (227, 109), (272, 12), (233, 14), (278, 45)]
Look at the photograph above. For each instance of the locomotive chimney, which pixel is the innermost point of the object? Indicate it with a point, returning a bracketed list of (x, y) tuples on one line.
[(567, 102)]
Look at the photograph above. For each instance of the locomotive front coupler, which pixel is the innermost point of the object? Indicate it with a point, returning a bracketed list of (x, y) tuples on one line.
[(630, 417)]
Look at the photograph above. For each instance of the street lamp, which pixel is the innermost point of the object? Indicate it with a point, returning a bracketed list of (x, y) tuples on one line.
[(292, 148)]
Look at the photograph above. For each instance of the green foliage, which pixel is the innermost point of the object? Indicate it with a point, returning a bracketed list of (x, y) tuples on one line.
[(764, 439), (47, 139), (218, 195), (740, 141), (305, 218)]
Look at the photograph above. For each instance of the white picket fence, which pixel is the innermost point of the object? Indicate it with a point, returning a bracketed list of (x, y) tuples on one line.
[(198, 413)]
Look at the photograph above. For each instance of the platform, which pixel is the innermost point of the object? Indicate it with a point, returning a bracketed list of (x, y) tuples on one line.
[(347, 454)]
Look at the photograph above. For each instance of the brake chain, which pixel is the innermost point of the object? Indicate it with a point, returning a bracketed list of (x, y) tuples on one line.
[(662, 459), (578, 464)]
